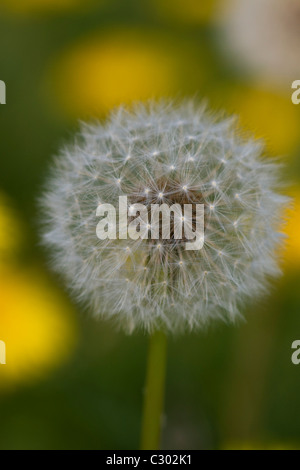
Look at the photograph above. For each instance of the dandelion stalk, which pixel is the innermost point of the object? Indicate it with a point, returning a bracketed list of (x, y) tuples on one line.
[(154, 392)]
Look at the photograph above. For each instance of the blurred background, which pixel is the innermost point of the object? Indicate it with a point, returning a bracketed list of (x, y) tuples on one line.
[(71, 382)]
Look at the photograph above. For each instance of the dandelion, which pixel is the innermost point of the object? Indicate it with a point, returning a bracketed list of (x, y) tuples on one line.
[(156, 284), (151, 63), (237, 186), (263, 35)]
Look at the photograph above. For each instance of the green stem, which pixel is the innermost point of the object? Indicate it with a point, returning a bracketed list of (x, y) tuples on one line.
[(154, 392)]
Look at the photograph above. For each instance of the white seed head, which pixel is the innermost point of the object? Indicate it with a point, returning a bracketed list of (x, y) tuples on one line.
[(153, 284), (263, 35)]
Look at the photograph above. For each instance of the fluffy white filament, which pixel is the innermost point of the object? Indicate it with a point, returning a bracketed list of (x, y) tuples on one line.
[(164, 153)]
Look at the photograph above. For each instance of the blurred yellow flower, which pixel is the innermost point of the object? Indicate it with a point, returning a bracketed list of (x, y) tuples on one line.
[(270, 115), (292, 229), (192, 11), (104, 71), (41, 6), (11, 231), (36, 325)]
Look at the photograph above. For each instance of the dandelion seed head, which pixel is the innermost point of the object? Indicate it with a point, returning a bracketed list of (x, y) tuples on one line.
[(151, 284), (246, 23)]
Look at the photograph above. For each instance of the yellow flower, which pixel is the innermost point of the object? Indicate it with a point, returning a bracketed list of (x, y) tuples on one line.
[(11, 231), (36, 325), (270, 115), (104, 71), (41, 6), (191, 11), (292, 229)]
